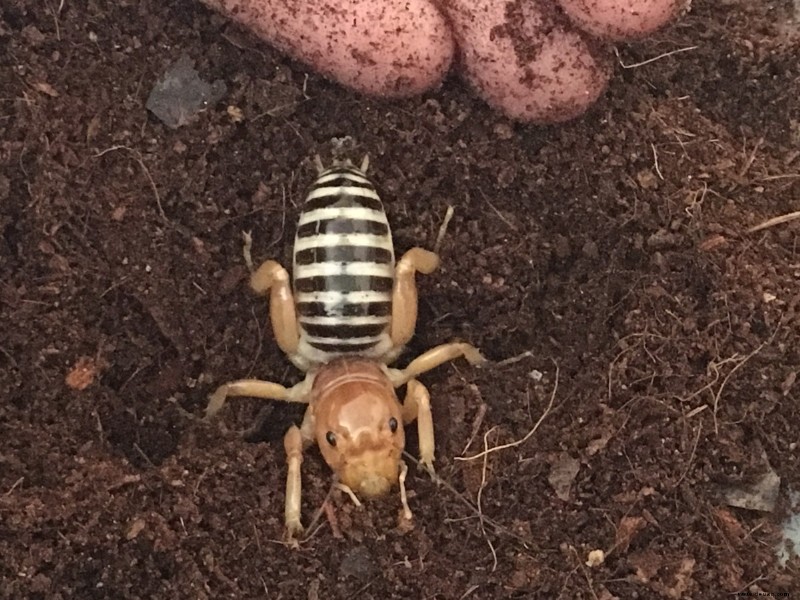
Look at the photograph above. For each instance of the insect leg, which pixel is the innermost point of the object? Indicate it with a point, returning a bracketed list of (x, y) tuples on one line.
[(272, 278), (401, 480), (293, 443), (255, 388), (404, 294), (417, 406), (435, 357)]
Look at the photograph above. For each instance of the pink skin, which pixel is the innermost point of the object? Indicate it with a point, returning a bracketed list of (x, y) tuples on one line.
[(622, 19), (535, 66), (381, 48), (527, 58)]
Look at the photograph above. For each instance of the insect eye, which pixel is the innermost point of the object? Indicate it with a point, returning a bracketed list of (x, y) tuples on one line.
[(331, 438), (393, 424)]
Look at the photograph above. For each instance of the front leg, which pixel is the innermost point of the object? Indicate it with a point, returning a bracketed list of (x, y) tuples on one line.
[(417, 406), (256, 388), (435, 357), (295, 440), (404, 294)]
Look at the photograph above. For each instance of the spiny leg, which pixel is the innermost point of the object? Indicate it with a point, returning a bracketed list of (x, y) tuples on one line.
[(404, 294), (435, 357), (417, 405), (256, 388), (407, 514), (272, 278), (293, 443)]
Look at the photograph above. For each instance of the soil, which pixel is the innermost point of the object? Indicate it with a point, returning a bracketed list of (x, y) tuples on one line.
[(610, 255)]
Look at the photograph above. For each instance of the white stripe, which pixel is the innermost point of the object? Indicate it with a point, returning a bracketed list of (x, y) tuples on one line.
[(335, 268), (336, 321), (343, 341), (342, 175), (353, 213), (324, 192), (335, 298), (343, 239)]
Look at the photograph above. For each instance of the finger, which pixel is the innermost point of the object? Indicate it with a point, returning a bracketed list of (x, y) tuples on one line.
[(527, 58), (377, 47), (623, 19)]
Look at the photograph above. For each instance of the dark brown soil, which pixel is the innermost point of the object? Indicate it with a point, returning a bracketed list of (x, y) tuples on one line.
[(614, 249)]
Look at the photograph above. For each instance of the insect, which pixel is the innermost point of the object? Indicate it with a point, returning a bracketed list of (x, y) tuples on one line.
[(345, 316)]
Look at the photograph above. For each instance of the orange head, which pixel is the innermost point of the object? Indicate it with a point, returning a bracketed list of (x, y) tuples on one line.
[(358, 425)]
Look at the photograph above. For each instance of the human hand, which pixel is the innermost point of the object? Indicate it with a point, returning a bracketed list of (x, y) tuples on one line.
[(531, 59)]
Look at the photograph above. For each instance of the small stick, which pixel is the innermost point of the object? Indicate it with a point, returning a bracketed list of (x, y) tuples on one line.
[(749, 162), (332, 521), (655, 58), (775, 221), (480, 494), (443, 229), (527, 436), (691, 457), (247, 249), (476, 425), (514, 359), (312, 527), (138, 158)]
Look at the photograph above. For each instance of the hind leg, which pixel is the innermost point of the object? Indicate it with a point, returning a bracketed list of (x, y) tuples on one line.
[(271, 278), (404, 294)]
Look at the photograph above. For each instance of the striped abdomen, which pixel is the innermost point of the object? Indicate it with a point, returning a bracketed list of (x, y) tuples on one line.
[(343, 269)]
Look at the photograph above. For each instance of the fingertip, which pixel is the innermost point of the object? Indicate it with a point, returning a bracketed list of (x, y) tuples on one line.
[(623, 19), (531, 64)]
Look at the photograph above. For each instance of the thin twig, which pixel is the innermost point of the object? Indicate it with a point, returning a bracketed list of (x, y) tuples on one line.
[(476, 425), (783, 176), (513, 359), (528, 435), (585, 574), (655, 162), (312, 527), (691, 457), (749, 162), (13, 487), (443, 229), (466, 501), (501, 217), (775, 221), (650, 60), (480, 494), (736, 367), (138, 157)]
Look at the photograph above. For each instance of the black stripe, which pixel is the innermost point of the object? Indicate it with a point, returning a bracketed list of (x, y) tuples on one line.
[(344, 254), (343, 283), (356, 309), (342, 225), (346, 348), (367, 309), (342, 200), (343, 331), (341, 180)]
